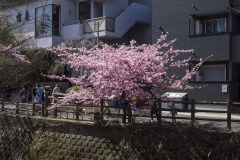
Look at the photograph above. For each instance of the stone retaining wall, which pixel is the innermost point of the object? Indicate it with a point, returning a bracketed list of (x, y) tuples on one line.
[(30, 138), (38, 138)]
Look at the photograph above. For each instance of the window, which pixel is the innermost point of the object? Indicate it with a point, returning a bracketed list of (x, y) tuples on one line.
[(215, 25), (47, 20), (207, 25), (211, 73), (56, 20), (84, 10)]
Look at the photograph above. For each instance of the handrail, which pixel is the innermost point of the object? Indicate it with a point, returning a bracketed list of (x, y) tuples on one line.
[(104, 24), (93, 19), (192, 114)]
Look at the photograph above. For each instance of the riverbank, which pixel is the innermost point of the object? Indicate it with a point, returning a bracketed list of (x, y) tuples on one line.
[(32, 138)]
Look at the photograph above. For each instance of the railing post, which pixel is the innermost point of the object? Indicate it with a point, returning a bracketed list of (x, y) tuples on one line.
[(46, 105), (101, 109), (229, 111), (159, 112), (124, 107), (17, 108), (2, 106), (105, 27), (129, 114), (77, 112), (192, 112), (42, 109), (97, 33), (33, 109), (55, 112)]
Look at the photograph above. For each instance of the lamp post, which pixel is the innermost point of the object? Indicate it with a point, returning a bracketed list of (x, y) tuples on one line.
[(97, 33)]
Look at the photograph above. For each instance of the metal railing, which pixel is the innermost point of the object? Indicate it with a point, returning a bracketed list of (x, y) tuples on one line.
[(98, 24)]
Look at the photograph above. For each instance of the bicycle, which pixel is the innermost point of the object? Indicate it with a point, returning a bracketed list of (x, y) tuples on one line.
[(87, 110), (110, 118), (140, 109), (140, 112), (87, 113)]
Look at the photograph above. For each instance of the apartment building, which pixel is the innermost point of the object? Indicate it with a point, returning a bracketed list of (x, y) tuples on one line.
[(47, 23), (210, 27)]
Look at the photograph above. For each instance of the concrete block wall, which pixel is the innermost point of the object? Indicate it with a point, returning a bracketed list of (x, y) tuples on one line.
[(47, 139), (14, 143), (25, 138)]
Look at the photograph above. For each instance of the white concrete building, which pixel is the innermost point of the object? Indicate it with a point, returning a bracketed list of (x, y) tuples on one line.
[(47, 23)]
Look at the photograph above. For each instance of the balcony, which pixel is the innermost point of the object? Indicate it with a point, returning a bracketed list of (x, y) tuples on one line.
[(105, 26)]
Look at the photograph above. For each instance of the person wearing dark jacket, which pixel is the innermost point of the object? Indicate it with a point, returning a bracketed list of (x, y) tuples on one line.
[(7, 92), (23, 95)]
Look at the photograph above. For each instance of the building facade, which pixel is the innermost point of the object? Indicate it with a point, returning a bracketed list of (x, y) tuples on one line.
[(210, 28), (47, 23)]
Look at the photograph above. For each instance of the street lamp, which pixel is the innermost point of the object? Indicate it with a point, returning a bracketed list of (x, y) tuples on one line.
[(97, 33)]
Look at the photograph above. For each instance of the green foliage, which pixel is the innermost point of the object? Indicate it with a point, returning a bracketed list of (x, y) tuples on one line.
[(44, 147), (74, 88), (16, 74), (6, 32), (178, 142)]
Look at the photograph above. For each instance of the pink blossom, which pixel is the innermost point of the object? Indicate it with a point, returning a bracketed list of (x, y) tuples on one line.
[(111, 70), (13, 51)]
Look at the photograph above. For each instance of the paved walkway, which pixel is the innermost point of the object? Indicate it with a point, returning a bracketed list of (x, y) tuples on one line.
[(209, 124)]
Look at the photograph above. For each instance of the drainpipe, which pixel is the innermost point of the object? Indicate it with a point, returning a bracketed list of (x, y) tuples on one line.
[(92, 9)]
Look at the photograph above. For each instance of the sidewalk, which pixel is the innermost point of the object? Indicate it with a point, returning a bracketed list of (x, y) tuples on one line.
[(204, 115), (211, 124)]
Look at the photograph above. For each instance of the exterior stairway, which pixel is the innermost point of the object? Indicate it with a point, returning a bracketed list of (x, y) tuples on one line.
[(116, 28)]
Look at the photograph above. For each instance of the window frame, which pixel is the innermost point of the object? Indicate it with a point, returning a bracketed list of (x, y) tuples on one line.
[(205, 23), (52, 29), (197, 24), (211, 64)]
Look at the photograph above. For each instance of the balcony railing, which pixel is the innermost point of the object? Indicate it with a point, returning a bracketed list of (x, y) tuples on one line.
[(98, 24)]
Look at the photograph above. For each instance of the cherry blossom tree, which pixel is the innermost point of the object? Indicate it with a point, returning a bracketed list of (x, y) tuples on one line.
[(14, 52), (112, 69)]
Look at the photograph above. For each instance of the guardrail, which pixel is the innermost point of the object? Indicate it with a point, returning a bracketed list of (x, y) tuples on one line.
[(193, 111), (94, 112)]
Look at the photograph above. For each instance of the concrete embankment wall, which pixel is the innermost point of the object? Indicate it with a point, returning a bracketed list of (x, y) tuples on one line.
[(40, 138)]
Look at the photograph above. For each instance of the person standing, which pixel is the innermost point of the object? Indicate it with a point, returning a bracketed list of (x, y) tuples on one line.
[(34, 93), (154, 107), (55, 92), (23, 95), (173, 111), (7, 91), (40, 94), (29, 94), (123, 102)]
